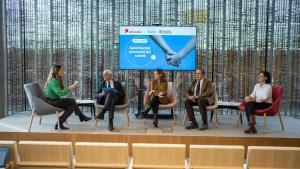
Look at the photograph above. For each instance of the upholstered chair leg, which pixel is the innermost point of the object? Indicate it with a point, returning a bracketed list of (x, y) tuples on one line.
[(57, 118), (41, 119), (238, 120), (184, 118), (174, 115), (97, 113), (127, 117), (280, 118), (216, 118), (265, 122), (30, 123)]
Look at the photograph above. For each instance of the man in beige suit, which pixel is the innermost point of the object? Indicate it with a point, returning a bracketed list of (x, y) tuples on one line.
[(200, 93)]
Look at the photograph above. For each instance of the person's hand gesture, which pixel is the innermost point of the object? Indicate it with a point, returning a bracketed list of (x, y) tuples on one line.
[(72, 87), (248, 99), (151, 91), (103, 93), (161, 94), (193, 98)]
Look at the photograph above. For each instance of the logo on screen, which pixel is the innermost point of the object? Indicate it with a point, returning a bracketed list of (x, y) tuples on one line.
[(165, 32), (132, 31)]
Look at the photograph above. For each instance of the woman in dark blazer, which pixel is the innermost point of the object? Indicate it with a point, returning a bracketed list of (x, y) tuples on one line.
[(158, 94)]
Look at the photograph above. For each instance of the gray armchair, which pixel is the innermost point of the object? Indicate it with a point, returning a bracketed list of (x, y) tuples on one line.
[(39, 107)]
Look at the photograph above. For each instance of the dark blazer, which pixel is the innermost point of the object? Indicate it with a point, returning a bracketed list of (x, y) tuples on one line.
[(119, 90), (206, 90)]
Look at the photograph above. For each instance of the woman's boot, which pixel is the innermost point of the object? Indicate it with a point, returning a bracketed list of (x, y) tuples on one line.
[(251, 128), (145, 112), (253, 121), (155, 123)]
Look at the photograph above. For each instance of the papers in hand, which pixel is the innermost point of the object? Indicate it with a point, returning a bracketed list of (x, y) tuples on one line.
[(76, 83), (108, 90)]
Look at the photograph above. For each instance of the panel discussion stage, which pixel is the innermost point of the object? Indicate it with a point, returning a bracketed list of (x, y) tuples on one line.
[(227, 133)]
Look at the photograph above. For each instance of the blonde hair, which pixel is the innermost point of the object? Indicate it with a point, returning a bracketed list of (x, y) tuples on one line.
[(53, 74)]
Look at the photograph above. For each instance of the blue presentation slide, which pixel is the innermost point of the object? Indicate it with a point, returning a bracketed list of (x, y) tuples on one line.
[(166, 48)]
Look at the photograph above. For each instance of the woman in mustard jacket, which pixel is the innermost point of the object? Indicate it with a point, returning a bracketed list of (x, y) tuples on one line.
[(158, 94)]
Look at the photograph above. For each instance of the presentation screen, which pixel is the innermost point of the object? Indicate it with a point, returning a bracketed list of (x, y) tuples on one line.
[(155, 47)]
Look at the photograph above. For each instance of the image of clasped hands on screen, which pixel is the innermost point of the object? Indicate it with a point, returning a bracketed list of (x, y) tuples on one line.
[(167, 52)]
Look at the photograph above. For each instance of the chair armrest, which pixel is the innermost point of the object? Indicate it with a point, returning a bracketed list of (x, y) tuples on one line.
[(242, 106), (146, 99)]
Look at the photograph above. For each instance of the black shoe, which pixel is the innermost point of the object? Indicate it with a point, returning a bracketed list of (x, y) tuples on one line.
[(110, 127), (82, 118), (155, 124), (204, 126), (61, 127), (100, 116), (193, 125), (143, 113), (140, 116)]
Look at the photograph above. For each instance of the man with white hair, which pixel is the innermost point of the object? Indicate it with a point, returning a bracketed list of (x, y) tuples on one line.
[(110, 93)]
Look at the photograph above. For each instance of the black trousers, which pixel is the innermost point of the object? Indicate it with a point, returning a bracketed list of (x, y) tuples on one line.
[(202, 102), (154, 104), (68, 104), (109, 101), (251, 106)]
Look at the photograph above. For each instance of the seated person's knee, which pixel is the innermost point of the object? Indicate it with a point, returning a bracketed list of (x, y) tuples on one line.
[(187, 101), (201, 100)]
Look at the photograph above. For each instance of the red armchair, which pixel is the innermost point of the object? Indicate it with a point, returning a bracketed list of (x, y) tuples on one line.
[(277, 94)]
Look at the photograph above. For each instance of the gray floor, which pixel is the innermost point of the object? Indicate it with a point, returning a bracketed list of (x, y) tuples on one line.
[(227, 126)]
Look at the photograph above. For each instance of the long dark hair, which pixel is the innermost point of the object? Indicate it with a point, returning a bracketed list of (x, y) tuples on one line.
[(162, 73), (53, 74), (266, 74)]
